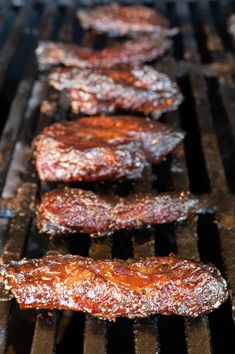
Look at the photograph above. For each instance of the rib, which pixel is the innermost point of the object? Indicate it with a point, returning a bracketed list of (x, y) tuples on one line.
[(115, 19), (102, 148), (130, 52), (114, 288), (140, 89), (75, 210)]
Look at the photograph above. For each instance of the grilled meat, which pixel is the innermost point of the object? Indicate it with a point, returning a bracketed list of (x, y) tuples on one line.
[(102, 148), (104, 161), (76, 210), (140, 89), (131, 52), (116, 288), (122, 20)]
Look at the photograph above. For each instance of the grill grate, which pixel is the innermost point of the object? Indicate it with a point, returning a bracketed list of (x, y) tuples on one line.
[(202, 62)]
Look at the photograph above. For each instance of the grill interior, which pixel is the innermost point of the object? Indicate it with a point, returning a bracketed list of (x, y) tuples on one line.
[(202, 62)]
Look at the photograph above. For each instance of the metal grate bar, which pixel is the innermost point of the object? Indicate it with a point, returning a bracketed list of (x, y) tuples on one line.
[(208, 138), (9, 48), (18, 168), (227, 93), (47, 321), (95, 336), (16, 114), (145, 330), (5, 7), (146, 337), (95, 333), (11, 129), (4, 311), (44, 334)]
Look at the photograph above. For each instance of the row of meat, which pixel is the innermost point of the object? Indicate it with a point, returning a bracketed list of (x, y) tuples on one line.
[(111, 148)]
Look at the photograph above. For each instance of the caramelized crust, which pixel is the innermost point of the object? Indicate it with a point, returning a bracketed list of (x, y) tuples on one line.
[(130, 52), (140, 89), (102, 148), (76, 210), (121, 20), (115, 288)]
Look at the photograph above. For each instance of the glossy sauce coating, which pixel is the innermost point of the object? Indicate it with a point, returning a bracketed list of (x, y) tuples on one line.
[(130, 52), (140, 89), (122, 20), (76, 210), (102, 148), (115, 288)]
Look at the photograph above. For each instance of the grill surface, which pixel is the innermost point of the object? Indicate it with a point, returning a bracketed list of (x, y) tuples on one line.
[(202, 61)]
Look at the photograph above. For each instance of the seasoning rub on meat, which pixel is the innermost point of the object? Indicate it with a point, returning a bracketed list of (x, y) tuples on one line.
[(116, 288), (75, 210), (141, 89)]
